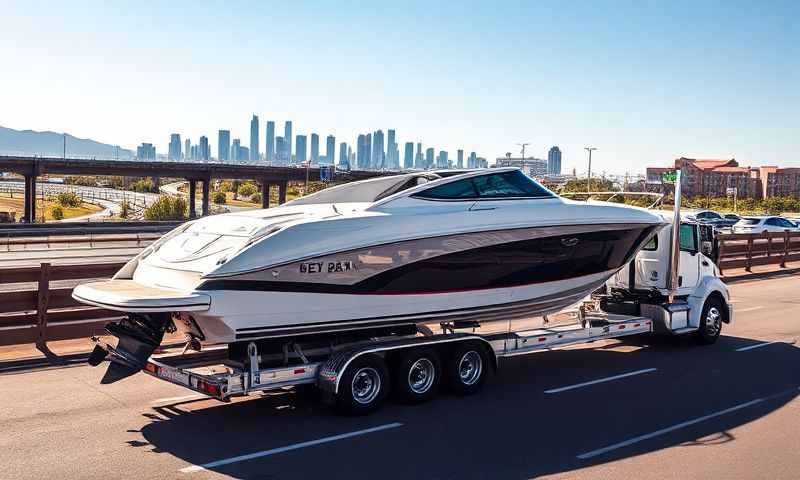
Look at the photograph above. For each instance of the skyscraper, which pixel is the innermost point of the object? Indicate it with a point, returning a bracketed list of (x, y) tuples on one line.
[(287, 141), (254, 153), (146, 151), (330, 149), (343, 160), (300, 150), (270, 141), (174, 146), (472, 160), (205, 151), (361, 147), (391, 148), (460, 163), (418, 160), (378, 153), (314, 148), (368, 152), (187, 146), (224, 145), (554, 161), (235, 150), (429, 158), (408, 159), (443, 162), (280, 151)]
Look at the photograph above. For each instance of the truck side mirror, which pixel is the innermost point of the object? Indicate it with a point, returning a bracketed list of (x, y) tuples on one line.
[(707, 248)]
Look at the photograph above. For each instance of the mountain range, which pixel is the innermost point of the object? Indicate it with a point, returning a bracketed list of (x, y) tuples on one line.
[(51, 144)]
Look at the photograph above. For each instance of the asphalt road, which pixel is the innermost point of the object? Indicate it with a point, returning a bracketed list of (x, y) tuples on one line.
[(729, 410)]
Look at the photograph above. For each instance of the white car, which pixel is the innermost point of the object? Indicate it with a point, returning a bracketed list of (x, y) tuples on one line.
[(764, 224)]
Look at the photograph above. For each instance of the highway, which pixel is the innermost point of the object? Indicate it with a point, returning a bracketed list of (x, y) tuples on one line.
[(639, 407)]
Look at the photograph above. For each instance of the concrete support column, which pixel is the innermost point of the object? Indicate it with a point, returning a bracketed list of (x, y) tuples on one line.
[(30, 199), (192, 194), (264, 194), (282, 192), (206, 192)]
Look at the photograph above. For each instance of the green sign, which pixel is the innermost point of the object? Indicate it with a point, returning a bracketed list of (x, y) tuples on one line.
[(669, 177)]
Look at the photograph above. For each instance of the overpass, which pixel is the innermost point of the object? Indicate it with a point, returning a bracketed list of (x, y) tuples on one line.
[(266, 175)]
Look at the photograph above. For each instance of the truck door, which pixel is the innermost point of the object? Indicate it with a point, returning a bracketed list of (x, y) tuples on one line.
[(689, 261)]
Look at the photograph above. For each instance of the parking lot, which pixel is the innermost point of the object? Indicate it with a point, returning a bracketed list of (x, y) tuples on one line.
[(638, 407)]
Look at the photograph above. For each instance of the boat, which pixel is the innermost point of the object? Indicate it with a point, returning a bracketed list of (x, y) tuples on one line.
[(371, 257)]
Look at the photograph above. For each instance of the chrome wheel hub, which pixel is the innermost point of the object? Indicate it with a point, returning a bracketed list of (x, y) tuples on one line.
[(366, 385), (421, 376), (470, 367), (713, 321)]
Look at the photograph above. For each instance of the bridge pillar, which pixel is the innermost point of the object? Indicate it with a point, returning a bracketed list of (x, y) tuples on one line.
[(30, 199), (206, 192), (265, 194), (192, 194), (282, 192)]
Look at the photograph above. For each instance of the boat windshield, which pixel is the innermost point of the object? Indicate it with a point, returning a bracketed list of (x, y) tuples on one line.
[(368, 191)]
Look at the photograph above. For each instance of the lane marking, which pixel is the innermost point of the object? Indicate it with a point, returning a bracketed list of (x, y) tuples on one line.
[(601, 380), (631, 441), (757, 345), (748, 309), (179, 399), (265, 453)]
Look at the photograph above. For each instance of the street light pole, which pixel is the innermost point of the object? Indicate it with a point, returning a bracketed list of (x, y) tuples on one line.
[(589, 179), (523, 145)]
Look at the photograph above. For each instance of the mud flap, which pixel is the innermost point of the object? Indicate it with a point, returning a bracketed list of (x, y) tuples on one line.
[(139, 336)]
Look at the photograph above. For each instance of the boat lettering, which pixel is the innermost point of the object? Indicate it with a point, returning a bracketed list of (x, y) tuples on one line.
[(345, 266), (311, 267), (329, 267)]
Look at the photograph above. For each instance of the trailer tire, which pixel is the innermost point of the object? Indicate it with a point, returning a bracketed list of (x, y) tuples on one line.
[(711, 319), (416, 375), (466, 369), (364, 386)]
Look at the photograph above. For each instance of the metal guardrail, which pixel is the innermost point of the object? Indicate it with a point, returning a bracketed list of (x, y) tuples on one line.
[(746, 250), (83, 228), (140, 239)]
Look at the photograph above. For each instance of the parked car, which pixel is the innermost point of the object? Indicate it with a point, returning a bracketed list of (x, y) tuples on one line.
[(719, 221), (764, 224)]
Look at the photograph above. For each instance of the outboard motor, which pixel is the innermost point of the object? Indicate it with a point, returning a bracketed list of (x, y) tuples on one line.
[(139, 335)]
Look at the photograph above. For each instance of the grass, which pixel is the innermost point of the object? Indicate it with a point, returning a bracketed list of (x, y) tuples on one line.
[(16, 204)]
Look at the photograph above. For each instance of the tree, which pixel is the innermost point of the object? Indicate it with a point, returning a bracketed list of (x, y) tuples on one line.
[(597, 185), (247, 190), (256, 198), (57, 212), (219, 197), (167, 208), (68, 199), (124, 209)]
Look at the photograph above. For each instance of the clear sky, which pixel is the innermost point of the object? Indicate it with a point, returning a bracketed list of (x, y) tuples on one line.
[(643, 81)]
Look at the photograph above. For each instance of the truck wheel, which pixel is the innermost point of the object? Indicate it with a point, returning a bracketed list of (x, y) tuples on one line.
[(466, 368), (363, 386), (417, 375), (710, 321)]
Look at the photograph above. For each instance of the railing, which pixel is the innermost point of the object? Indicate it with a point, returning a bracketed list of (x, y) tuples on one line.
[(50, 313), (745, 250), (9, 244)]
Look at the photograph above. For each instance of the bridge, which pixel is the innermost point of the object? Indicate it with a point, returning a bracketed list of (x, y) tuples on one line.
[(266, 175)]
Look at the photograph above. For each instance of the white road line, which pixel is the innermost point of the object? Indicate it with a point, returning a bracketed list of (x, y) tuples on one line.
[(265, 453), (179, 399), (757, 345), (748, 309), (631, 441), (601, 380)]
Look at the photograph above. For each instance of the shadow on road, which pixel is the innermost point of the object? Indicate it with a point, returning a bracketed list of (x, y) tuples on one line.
[(512, 429)]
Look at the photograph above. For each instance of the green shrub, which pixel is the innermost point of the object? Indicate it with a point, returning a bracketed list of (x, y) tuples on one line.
[(255, 198), (68, 199), (125, 209), (247, 190), (225, 186), (57, 212), (144, 185), (167, 208), (219, 198)]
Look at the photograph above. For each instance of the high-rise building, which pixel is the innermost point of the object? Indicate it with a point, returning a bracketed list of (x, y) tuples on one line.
[(174, 146), (244, 153), (378, 154), (419, 162), (429, 158), (187, 146), (361, 147), (270, 147), (314, 148), (330, 149), (344, 162), (408, 158), (224, 145), (205, 150), (391, 148), (300, 150), (368, 152), (442, 163), (146, 151), (287, 141), (554, 161), (460, 163), (254, 152), (235, 150), (280, 151)]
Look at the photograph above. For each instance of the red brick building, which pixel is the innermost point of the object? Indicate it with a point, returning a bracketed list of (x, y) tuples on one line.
[(712, 177), (780, 182)]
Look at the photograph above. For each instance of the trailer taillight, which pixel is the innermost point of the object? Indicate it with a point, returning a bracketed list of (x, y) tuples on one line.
[(299, 370), (208, 388)]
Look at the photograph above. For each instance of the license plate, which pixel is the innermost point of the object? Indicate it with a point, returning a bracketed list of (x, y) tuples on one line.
[(174, 376)]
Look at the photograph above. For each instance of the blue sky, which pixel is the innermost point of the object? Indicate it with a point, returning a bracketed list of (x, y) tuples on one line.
[(644, 81)]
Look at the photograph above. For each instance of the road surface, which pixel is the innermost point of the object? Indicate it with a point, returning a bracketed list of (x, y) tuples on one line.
[(643, 408)]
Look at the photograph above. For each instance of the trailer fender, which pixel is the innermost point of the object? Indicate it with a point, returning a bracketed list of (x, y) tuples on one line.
[(707, 287), (330, 373)]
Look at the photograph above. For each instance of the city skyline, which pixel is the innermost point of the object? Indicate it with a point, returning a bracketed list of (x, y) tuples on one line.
[(616, 78)]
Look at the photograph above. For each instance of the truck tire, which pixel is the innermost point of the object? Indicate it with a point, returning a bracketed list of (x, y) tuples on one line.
[(466, 368), (416, 375), (364, 386), (710, 321)]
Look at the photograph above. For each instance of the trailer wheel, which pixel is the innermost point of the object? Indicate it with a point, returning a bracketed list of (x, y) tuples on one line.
[(364, 386), (710, 321), (466, 368), (416, 375)]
